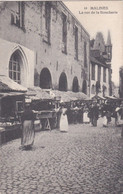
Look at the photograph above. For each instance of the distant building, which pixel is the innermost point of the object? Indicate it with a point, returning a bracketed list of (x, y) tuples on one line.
[(121, 82), (43, 44), (115, 90), (100, 65)]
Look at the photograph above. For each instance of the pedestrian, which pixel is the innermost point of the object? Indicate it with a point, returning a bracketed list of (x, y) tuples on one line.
[(117, 116), (63, 120), (95, 114), (105, 122), (28, 132), (58, 112), (108, 115)]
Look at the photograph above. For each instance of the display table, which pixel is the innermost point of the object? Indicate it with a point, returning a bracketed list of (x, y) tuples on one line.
[(47, 118)]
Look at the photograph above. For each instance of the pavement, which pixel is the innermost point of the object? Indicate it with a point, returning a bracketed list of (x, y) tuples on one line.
[(85, 160)]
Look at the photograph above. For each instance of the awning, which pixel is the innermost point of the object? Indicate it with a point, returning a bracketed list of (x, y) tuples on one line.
[(78, 95), (111, 97), (7, 84), (36, 93), (64, 96), (3, 95), (69, 95), (98, 97)]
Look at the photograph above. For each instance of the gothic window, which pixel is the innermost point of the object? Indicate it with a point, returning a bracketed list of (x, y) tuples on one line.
[(64, 32), (17, 15), (14, 68), (76, 42)]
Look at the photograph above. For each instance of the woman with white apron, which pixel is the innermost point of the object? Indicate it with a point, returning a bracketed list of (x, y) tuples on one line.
[(63, 121)]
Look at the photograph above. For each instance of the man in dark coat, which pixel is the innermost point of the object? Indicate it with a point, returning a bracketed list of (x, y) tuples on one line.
[(94, 114)]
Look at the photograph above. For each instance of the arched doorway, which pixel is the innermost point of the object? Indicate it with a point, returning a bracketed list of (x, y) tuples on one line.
[(45, 79), (63, 82), (84, 87), (75, 87)]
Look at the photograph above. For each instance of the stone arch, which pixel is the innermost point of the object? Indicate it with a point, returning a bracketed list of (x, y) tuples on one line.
[(45, 79), (19, 56), (84, 87), (75, 86), (63, 82)]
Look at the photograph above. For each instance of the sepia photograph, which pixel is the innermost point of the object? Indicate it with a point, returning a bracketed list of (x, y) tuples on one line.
[(61, 97)]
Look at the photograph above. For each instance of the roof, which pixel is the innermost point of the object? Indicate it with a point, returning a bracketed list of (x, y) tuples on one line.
[(7, 84)]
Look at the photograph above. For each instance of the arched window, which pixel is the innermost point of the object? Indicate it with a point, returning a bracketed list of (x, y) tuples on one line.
[(14, 68)]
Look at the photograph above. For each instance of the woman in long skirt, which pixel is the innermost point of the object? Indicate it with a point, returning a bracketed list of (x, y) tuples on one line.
[(28, 133), (63, 121)]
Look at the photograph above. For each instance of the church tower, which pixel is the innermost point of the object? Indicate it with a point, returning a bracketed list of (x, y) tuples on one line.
[(108, 47)]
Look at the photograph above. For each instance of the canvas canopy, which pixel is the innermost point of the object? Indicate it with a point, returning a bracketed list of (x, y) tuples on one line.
[(7, 84)]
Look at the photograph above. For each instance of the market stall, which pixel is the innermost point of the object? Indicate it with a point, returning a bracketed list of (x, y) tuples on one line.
[(11, 106), (44, 106), (12, 99)]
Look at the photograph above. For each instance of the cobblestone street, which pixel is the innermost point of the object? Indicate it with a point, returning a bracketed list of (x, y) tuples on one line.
[(85, 160)]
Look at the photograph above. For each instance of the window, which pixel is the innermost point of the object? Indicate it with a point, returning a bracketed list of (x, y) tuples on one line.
[(64, 32), (99, 73), (14, 68), (85, 54), (104, 74), (17, 16), (76, 42), (93, 72), (47, 21)]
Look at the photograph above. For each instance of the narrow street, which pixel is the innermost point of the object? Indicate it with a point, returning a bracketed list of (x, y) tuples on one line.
[(85, 160)]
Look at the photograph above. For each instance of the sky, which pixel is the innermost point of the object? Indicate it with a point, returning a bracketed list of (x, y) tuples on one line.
[(100, 22)]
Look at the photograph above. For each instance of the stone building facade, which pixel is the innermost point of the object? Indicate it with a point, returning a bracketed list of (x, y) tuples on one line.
[(121, 82), (43, 44), (100, 66)]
